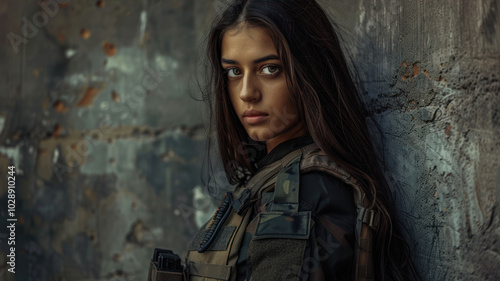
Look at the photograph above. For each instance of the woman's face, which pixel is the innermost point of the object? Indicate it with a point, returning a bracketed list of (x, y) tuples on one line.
[(257, 86)]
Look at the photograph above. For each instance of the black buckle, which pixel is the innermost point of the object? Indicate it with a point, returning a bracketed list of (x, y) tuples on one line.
[(371, 218), (240, 204)]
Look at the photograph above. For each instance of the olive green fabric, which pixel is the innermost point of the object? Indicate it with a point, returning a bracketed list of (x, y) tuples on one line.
[(276, 259), (201, 265), (280, 237), (221, 241), (283, 225), (213, 271)]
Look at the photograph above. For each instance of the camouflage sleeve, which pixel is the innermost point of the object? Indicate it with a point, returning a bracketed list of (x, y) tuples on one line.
[(329, 251)]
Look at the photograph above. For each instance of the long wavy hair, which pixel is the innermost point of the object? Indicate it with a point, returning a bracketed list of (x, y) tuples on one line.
[(321, 86)]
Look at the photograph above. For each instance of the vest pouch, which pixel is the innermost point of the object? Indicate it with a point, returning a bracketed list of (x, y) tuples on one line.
[(156, 275), (208, 272), (219, 260), (276, 251)]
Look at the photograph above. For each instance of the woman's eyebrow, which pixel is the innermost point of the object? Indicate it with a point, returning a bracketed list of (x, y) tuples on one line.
[(268, 57)]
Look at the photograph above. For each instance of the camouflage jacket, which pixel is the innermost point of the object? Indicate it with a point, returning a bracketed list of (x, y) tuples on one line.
[(284, 227), (329, 252)]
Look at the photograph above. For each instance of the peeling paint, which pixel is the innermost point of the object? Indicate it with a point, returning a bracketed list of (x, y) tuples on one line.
[(69, 53), (142, 28), (165, 63), (55, 155), (79, 79), (14, 155), (104, 106), (127, 60), (204, 206)]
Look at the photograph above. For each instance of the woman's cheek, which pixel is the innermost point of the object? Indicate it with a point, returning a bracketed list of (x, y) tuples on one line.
[(273, 126)]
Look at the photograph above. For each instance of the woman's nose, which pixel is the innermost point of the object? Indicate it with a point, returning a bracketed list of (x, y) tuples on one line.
[(250, 89)]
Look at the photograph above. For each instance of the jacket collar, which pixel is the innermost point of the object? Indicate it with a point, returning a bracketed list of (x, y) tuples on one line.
[(283, 149)]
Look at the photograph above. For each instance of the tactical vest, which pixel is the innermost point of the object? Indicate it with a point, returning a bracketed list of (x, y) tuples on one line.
[(280, 227)]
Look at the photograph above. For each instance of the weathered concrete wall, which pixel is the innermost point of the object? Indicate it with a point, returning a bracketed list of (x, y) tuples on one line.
[(97, 117), (431, 71)]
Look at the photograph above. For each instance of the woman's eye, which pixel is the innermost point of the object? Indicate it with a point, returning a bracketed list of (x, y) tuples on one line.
[(233, 72), (270, 69)]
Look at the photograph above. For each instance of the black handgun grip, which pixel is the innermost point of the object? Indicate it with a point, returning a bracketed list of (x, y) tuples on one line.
[(166, 266)]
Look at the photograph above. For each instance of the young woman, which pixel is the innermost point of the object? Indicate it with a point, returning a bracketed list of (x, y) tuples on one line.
[(310, 201)]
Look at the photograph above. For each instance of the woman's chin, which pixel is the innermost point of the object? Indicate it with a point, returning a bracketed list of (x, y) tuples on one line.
[(260, 136)]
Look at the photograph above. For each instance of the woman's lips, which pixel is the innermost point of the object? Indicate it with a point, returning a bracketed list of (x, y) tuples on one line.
[(251, 120)]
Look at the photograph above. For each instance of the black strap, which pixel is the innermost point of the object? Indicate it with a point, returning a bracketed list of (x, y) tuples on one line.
[(286, 191)]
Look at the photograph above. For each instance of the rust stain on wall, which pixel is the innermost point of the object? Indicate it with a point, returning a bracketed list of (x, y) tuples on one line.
[(115, 96), (90, 94), (60, 107), (447, 130), (63, 5), (415, 71), (109, 49), (56, 132), (85, 33), (72, 147), (404, 67)]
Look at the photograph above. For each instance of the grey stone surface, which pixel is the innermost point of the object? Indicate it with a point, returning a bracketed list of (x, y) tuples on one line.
[(431, 73), (108, 143)]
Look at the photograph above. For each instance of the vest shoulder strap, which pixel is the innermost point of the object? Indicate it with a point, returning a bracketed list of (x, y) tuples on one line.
[(312, 158), (367, 220)]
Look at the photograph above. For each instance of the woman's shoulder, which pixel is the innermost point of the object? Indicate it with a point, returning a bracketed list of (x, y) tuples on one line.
[(322, 192)]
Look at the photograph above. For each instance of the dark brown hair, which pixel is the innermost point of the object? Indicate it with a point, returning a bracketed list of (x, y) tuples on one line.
[(320, 81)]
